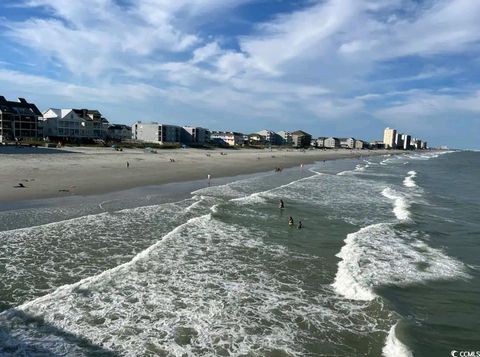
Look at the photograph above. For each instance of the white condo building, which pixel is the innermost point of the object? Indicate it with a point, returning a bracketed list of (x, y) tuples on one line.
[(156, 133)]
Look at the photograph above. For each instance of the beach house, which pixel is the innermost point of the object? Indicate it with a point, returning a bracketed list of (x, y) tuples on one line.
[(361, 144), (119, 132), (74, 124), (19, 120), (228, 138)]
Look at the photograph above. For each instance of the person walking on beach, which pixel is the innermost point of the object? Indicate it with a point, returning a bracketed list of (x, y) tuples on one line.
[(128, 164), (290, 222), (281, 204)]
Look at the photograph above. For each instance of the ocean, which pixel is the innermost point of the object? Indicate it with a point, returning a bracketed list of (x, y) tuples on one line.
[(387, 263)]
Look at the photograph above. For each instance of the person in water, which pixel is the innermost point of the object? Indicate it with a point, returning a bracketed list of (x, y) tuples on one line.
[(281, 205), (290, 221), (300, 226)]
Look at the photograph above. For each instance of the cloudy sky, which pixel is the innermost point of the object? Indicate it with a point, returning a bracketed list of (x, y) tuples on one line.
[(330, 67)]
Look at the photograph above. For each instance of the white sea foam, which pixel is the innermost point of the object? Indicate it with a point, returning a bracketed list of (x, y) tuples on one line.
[(381, 254), (409, 180), (394, 347), (165, 299), (401, 205)]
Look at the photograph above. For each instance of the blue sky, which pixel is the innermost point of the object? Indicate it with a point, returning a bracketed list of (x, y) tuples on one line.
[(330, 67)]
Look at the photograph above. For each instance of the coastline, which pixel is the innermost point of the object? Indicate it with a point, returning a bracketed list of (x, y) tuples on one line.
[(90, 171)]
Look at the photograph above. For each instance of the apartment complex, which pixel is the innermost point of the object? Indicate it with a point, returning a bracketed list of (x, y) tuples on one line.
[(19, 120)]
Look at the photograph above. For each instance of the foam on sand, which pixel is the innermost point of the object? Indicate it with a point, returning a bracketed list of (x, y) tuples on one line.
[(394, 347)]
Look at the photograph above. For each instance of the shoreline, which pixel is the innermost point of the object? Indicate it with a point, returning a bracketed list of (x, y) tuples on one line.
[(91, 171)]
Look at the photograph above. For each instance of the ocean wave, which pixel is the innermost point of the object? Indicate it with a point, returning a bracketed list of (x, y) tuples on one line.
[(409, 179), (382, 254), (394, 347), (401, 205)]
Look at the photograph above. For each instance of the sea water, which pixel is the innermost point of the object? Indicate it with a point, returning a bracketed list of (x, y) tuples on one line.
[(387, 263)]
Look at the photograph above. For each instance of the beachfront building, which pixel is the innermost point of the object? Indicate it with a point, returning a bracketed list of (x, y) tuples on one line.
[(347, 143), (377, 145), (228, 138), (286, 137), (74, 124), (19, 120), (271, 137), (332, 143), (194, 135), (156, 133), (319, 142), (423, 145), (398, 141), (389, 138), (256, 139), (406, 139), (119, 132), (360, 145), (301, 139)]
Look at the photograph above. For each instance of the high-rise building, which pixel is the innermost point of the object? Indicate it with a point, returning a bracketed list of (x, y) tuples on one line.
[(406, 140), (389, 136)]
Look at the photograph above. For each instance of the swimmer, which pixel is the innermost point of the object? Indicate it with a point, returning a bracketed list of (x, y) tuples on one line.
[(281, 205), (290, 221), (300, 226)]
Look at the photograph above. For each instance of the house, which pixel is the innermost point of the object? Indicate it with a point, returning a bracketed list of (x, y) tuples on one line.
[(74, 124), (257, 139), (119, 132), (347, 143), (19, 120), (332, 143), (229, 138), (156, 133), (193, 135), (301, 139), (285, 137)]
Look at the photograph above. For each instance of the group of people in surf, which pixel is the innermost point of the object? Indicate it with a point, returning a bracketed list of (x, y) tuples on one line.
[(291, 222)]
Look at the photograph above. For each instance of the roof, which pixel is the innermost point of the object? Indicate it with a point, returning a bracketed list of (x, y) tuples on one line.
[(300, 132), (20, 107)]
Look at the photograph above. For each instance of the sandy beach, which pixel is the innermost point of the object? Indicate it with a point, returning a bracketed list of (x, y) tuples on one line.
[(86, 171)]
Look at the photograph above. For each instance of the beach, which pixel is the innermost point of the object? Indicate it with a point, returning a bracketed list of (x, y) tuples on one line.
[(88, 171)]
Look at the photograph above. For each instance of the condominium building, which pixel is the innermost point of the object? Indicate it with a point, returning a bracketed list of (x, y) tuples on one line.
[(301, 139), (319, 142), (360, 144), (286, 137), (347, 143), (74, 124), (332, 143), (271, 137), (18, 120), (389, 137), (156, 133), (193, 135), (406, 140)]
